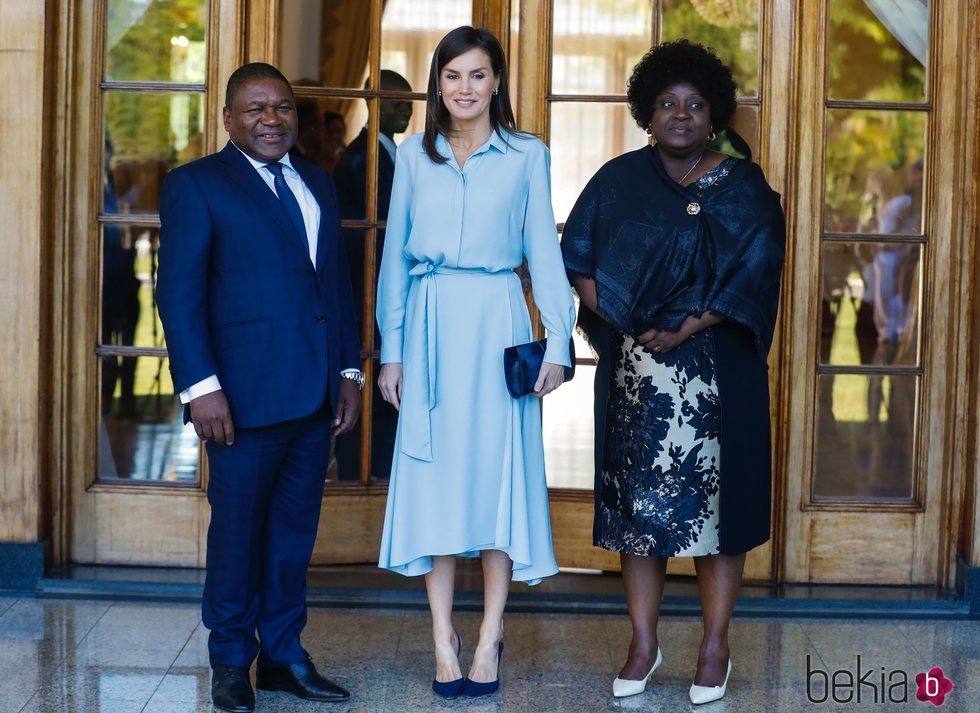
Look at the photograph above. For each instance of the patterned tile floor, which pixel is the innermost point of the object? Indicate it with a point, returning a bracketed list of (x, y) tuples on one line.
[(126, 657)]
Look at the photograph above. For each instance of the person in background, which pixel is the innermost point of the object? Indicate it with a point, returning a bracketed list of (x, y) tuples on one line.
[(332, 141), (308, 135), (468, 478), (676, 252)]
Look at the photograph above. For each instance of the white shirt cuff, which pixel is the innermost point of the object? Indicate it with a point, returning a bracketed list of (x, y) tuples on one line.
[(201, 388), (350, 371)]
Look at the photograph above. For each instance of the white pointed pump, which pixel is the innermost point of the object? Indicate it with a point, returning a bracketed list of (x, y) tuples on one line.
[(623, 687), (707, 694)]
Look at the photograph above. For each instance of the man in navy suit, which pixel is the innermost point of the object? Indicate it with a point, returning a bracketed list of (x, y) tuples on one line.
[(257, 308)]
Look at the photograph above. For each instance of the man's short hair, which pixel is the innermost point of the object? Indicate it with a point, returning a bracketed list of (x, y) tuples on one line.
[(248, 73)]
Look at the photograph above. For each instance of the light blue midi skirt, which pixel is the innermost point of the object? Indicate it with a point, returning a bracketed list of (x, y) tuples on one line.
[(484, 487)]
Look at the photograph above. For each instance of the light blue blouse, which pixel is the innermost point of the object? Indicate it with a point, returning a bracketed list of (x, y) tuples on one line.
[(487, 216)]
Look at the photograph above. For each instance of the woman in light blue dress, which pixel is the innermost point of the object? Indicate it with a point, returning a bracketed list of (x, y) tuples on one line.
[(471, 199)]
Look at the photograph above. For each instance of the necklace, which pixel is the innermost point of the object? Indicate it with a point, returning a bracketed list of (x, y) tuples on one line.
[(691, 168)]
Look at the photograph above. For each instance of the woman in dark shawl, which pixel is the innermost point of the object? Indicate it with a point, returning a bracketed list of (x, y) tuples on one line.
[(676, 252)]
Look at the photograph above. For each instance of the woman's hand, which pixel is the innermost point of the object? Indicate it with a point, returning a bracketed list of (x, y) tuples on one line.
[(550, 378), (390, 383), (660, 340)]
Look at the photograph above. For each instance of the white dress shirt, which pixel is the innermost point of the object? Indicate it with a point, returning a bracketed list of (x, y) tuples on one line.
[(311, 217)]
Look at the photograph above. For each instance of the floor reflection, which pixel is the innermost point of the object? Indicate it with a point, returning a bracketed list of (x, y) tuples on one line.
[(85, 656)]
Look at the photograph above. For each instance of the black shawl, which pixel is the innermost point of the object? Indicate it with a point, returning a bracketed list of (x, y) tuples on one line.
[(659, 251)]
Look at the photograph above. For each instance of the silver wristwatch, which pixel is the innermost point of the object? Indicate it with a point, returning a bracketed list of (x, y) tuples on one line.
[(356, 376)]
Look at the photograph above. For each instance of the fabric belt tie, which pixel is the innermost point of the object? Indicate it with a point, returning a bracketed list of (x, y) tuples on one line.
[(419, 387)]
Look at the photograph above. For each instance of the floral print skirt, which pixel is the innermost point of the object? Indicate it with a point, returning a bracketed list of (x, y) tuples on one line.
[(660, 480)]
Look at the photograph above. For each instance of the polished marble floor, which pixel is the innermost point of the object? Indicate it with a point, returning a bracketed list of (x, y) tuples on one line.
[(127, 657)]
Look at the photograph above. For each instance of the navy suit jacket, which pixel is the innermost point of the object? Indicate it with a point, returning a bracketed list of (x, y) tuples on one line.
[(239, 297)]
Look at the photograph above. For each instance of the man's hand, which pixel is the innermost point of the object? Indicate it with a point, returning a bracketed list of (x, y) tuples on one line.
[(390, 383), (212, 418), (348, 407)]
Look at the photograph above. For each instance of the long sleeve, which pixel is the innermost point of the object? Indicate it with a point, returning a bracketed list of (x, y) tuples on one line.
[(552, 293), (394, 280), (182, 278)]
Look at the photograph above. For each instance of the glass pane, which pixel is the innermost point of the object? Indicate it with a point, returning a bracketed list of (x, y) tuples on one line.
[(410, 31), (146, 136), (597, 42), (325, 43), (583, 137), (869, 311), (569, 429), (874, 177), (399, 120), (156, 41), (384, 422), (142, 436), (865, 437), (730, 28), (323, 130), (889, 41), (746, 123), (129, 268)]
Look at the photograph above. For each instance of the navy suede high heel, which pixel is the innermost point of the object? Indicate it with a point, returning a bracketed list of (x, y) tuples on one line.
[(476, 688), (451, 689)]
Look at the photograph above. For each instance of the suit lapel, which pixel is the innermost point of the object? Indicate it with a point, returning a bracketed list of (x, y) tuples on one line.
[(245, 175)]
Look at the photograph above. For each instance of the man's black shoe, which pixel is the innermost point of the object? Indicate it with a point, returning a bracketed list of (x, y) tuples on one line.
[(231, 690), (302, 680)]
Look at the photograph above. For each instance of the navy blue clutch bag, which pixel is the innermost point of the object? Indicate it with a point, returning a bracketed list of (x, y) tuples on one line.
[(522, 364)]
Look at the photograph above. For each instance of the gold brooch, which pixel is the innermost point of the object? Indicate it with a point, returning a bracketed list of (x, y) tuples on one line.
[(693, 208)]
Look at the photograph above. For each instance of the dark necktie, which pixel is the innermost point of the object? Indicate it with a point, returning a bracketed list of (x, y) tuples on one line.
[(287, 198)]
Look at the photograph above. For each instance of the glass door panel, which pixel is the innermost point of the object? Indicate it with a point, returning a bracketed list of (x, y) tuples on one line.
[(339, 101), (153, 93), (729, 28)]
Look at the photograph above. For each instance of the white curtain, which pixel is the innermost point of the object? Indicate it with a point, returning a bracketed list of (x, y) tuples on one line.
[(908, 21)]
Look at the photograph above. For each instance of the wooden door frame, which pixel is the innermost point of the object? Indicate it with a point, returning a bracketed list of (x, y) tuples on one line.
[(72, 313), (917, 543), (77, 140), (353, 513), (572, 510)]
